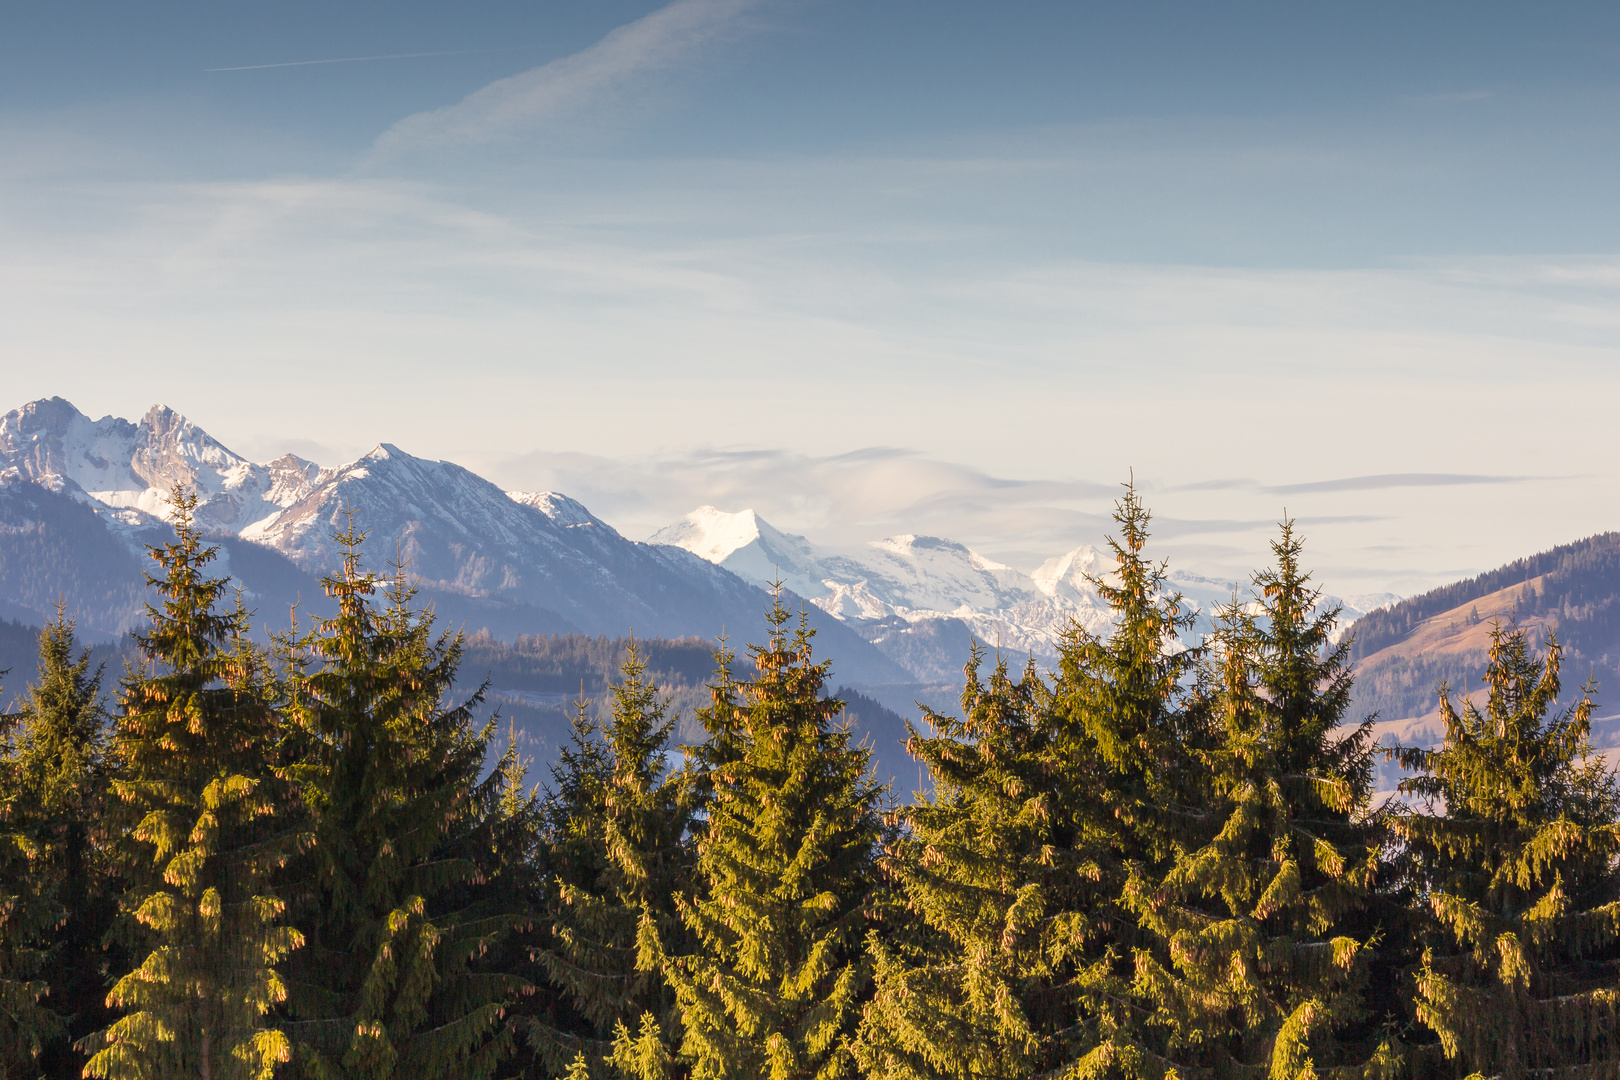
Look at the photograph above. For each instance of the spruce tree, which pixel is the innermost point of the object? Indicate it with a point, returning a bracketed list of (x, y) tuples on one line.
[(27, 912), (516, 882), (1257, 967), (573, 962), (193, 746), (60, 775), (391, 897), (1134, 720), (649, 813), (996, 960), (772, 984), (1514, 842), (1128, 696), (618, 858)]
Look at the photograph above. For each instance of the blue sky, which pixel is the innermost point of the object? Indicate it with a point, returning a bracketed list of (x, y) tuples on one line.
[(942, 267)]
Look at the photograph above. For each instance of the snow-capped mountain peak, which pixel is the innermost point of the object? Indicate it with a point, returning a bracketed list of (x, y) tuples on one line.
[(750, 547), (924, 581), (134, 468), (908, 576), (1069, 570), (711, 533), (556, 506)]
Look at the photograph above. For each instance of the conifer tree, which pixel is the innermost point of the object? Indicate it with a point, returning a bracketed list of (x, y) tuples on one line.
[(1514, 842), (647, 827), (390, 896), (571, 959), (516, 883), (772, 984), (1256, 968), (1134, 721), (193, 744), (26, 914), (618, 859), (1128, 695), (60, 777), (1001, 870)]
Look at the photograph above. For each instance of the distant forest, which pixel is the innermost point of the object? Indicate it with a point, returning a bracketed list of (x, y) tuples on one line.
[(1576, 590), (556, 668), (1579, 591)]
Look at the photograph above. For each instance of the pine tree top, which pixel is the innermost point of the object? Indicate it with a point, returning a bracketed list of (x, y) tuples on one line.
[(63, 735)]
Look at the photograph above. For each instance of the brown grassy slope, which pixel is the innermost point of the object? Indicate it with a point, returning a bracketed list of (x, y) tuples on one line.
[(1403, 653)]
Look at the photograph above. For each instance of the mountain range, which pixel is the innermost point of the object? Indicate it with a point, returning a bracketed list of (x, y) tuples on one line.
[(80, 500), (937, 592), (1571, 592)]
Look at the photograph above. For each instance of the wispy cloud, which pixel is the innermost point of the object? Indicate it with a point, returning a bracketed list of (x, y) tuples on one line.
[(348, 60), (1394, 480), (1044, 383), (842, 499), (663, 39)]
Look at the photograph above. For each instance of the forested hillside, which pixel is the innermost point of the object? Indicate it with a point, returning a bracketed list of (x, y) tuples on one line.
[(536, 680), (1402, 653), (533, 685)]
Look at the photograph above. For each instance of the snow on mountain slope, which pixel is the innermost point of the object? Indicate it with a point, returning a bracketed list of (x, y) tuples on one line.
[(133, 467), (911, 577), (465, 535), (749, 547), (516, 562), (540, 562), (914, 580)]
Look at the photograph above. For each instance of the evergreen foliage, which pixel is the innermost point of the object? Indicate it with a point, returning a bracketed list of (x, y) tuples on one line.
[(572, 947), (26, 915), (1003, 875), (1050, 803), (389, 896), (1135, 725), (618, 823), (58, 778), (194, 746), (772, 984), (1515, 847), (516, 883), (1159, 860), (561, 663), (1255, 969)]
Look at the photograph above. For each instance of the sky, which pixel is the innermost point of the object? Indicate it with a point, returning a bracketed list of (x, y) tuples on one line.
[(947, 268)]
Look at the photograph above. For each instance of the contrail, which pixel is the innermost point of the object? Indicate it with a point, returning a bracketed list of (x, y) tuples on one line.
[(353, 59)]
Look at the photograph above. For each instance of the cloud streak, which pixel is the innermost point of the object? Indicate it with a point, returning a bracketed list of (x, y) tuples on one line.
[(511, 106), (349, 60), (843, 499), (1385, 481)]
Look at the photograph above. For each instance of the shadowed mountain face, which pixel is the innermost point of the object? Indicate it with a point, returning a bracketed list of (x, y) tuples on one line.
[(80, 499)]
